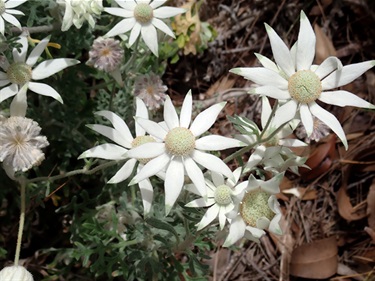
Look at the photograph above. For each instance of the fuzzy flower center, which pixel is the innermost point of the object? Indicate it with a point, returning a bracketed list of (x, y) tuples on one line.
[(139, 141), (222, 195), (2, 7), (106, 52), (304, 86), (180, 141), (143, 13), (19, 73), (272, 142), (254, 206)]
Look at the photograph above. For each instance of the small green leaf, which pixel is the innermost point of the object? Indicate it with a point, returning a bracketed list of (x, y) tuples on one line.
[(163, 225)]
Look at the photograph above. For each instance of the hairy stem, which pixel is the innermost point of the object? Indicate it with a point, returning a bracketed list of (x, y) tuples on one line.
[(83, 171), (22, 182)]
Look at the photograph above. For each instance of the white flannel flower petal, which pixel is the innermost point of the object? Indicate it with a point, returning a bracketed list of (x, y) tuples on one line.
[(21, 73), (120, 134), (142, 18), (298, 84), (180, 151), (6, 13), (219, 198), (257, 211), (78, 11)]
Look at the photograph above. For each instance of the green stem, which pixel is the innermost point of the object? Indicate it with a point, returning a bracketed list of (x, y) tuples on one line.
[(269, 119), (102, 85), (132, 58), (22, 182), (112, 95), (83, 171)]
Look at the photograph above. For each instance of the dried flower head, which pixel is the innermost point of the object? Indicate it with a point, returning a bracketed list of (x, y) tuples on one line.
[(15, 273), (106, 54), (20, 143), (320, 130), (151, 90)]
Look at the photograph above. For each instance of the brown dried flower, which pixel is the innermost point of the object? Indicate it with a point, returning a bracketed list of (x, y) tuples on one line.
[(151, 90), (20, 143), (106, 54)]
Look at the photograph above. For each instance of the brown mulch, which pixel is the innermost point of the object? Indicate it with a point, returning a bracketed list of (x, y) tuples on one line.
[(329, 213)]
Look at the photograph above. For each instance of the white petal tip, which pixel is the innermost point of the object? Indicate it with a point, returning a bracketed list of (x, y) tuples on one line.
[(83, 155), (112, 181), (235, 71), (200, 227), (252, 91), (133, 182), (227, 244), (240, 144), (345, 143), (168, 209)]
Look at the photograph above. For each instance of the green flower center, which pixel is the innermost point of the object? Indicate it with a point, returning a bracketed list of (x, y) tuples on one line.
[(274, 141), (254, 205), (19, 73), (139, 141), (2, 7), (222, 195), (304, 86), (143, 13), (180, 141)]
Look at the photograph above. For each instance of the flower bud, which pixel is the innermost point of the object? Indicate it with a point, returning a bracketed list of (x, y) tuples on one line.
[(15, 273)]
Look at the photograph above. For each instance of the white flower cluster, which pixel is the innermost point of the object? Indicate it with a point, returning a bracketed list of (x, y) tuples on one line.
[(178, 149)]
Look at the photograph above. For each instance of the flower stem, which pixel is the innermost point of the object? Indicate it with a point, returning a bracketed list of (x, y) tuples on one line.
[(132, 58), (269, 119), (22, 220), (83, 171)]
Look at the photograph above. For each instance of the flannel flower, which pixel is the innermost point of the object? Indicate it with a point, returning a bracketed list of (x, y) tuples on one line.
[(179, 150), (256, 209), (6, 13), (274, 154), (298, 84), (219, 198), (79, 11), (21, 73), (142, 17), (120, 134)]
